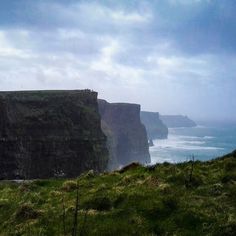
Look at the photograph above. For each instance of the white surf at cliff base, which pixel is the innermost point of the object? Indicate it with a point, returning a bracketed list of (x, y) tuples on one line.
[(204, 142)]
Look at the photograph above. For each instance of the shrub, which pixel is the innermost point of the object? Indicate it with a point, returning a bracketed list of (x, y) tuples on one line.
[(226, 230), (189, 220), (230, 165), (166, 164), (41, 183), (196, 181), (131, 166), (159, 209), (69, 185), (232, 192), (27, 186), (89, 174), (100, 203), (177, 179), (227, 177), (4, 203), (217, 189), (151, 181), (165, 188), (170, 202), (25, 212), (120, 199)]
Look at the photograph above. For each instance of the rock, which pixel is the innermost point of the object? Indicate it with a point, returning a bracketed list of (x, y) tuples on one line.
[(150, 143), (154, 126), (131, 166), (176, 121), (127, 137), (47, 134)]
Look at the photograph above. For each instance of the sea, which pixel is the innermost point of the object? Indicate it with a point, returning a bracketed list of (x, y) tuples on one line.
[(206, 141)]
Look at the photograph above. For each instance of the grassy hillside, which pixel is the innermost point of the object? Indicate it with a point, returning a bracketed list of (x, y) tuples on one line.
[(160, 200)]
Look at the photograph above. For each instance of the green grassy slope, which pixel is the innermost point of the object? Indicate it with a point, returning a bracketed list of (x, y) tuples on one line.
[(159, 200)]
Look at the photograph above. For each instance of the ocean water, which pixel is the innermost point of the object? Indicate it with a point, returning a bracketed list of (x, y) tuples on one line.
[(205, 142)]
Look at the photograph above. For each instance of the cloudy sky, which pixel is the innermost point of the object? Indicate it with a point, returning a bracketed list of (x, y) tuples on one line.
[(171, 56)]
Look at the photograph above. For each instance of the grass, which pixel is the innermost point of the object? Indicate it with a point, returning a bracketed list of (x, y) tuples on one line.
[(157, 200)]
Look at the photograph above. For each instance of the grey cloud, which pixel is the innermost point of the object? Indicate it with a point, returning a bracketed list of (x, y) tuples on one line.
[(170, 56)]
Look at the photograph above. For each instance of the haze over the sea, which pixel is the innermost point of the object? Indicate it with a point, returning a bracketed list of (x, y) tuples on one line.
[(171, 56)]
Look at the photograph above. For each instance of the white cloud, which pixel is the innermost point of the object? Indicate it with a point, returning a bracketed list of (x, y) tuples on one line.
[(134, 18), (8, 50)]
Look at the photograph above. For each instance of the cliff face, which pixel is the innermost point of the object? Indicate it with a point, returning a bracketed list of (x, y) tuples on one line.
[(50, 133), (154, 126), (127, 137), (175, 121)]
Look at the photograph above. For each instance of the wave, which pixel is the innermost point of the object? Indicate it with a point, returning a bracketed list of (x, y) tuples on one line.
[(186, 137), (185, 147), (200, 127), (208, 137), (193, 127), (178, 142), (194, 142), (155, 160), (183, 137)]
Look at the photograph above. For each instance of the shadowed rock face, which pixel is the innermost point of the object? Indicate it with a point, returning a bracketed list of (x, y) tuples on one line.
[(50, 133), (154, 126), (127, 137)]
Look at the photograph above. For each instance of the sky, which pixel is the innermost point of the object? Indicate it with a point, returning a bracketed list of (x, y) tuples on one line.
[(170, 56)]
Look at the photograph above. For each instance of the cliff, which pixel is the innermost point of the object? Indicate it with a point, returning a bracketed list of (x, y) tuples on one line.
[(154, 126), (50, 133), (175, 121), (127, 137)]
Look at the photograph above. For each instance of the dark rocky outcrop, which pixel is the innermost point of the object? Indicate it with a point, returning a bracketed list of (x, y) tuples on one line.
[(154, 126), (150, 143), (127, 137), (176, 121), (50, 133)]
